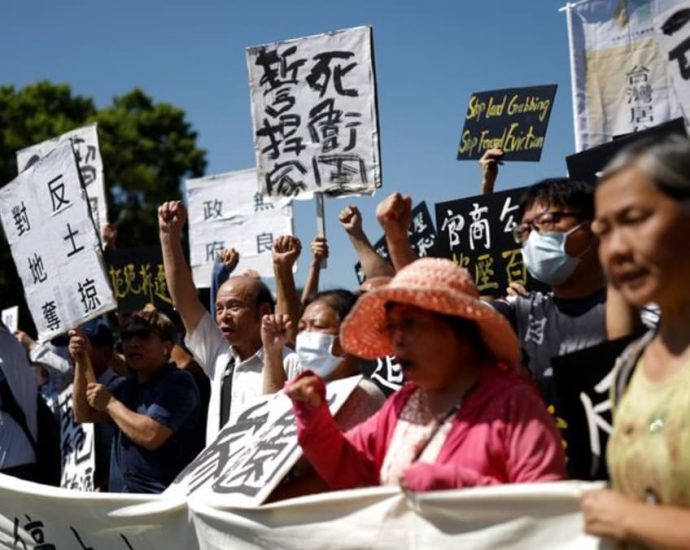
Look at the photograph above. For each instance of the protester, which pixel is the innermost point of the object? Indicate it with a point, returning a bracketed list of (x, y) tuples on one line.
[(463, 419), (156, 410), (372, 264), (18, 405), (229, 348), (643, 222)]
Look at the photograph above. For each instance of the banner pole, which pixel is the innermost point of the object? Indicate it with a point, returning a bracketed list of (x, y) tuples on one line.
[(321, 222)]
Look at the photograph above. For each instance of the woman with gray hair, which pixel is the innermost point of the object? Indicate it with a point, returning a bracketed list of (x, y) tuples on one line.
[(643, 223)]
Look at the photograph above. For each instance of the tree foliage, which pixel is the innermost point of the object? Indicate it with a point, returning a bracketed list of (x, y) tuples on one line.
[(147, 147)]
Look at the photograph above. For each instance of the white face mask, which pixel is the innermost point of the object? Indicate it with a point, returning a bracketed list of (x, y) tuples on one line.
[(546, 258), (315, 352)]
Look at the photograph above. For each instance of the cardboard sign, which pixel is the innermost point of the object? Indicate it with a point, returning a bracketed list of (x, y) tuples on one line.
[(514, 119), (582, 380), (10, 318), (477, 234), (250, 458), (88, 153), (77, 447), (421, 232), (228, 211), (314, 115), (137, 277), (45, 216), (586, 165)]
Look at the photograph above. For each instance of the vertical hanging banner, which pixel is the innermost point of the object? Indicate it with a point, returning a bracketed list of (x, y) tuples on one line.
[(673, 34), (228, 211), (76, 446), (315, 116), (45, 216), (477, 234), (514, 120), (620, 76), (422, 235), (88, 152)]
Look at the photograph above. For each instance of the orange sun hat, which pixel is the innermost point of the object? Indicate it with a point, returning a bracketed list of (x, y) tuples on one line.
[(433, 284)]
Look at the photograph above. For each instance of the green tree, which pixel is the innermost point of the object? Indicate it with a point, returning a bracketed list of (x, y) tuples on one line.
[(147, 149)]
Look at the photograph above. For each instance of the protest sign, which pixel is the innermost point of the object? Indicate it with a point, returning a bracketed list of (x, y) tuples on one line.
[(620, 75), (586, 165), (477, 234), (76, 446), (314, 115), (513, 119), (137, 277), (10, 318), (673, 35), (584, 405), (250, 458), (88, 153), (54, 244), (422, 235), (385, 372), (228, 211)]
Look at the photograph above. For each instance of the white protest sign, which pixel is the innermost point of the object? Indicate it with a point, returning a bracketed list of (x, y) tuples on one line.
[(673, 34), (250, 458), (228, 211), (87, 150), (314, 115), (54, 244), (10, 318), (77, 447)]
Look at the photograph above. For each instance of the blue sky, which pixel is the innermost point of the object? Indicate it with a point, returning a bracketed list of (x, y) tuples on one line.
[(430, 57)]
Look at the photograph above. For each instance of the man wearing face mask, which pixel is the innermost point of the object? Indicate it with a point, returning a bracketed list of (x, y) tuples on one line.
[(559, 250)]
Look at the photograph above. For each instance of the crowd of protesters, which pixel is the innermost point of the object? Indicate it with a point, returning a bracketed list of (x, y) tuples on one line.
[(473, 409)]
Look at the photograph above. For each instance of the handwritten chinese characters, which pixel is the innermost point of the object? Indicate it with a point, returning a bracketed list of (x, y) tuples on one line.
[(314, 114), (45, 217)]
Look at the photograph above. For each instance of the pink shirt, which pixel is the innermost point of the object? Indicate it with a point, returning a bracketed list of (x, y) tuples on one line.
[(501, 434)]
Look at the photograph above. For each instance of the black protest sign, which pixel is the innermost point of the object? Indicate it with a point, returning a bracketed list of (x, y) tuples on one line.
[(477, 234), (513, 119), (587, 164), (421, 233), (385, 372), (582, 380), (137, 277)]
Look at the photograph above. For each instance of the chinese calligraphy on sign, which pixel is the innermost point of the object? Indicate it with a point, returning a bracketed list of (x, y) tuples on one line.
[(46, 219), (227, 211), (88, 154), (314, 115)]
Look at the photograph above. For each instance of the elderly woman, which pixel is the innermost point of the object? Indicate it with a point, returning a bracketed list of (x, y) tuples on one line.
[(643, 223), (463, 419)]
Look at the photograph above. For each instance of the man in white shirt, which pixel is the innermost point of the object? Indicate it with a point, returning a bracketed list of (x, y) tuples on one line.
[(229, 349), (17, 456)]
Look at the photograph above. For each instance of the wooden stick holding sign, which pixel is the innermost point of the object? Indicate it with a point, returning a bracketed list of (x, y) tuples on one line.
[(321, 223)]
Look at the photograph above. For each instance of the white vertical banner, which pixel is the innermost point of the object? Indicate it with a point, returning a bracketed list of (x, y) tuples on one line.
[(315, 116), (54, 245), (620, 77), (88, 153), (228, 211), (76, 446)]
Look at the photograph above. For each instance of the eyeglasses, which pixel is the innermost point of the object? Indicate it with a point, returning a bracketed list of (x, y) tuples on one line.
[(543, 223), (139, 333)]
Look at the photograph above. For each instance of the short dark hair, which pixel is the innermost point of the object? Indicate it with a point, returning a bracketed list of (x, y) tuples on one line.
[(564, 192), (150, 318), (341, 300)]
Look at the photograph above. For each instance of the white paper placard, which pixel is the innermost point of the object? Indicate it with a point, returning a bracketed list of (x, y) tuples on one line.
[(77, 447), (227, 211), (88, 153), (46, 220), (314, 115), (10, 318)]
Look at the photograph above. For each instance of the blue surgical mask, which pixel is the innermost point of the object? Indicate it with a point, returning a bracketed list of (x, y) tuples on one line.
[(545, 256), (315, 352)]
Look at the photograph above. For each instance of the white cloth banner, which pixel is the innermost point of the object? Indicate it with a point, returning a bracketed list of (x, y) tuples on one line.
[(314, 115), (88, 152), (54, 244), (520, 517), (76, 446), (620, 77), (228, 211)]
